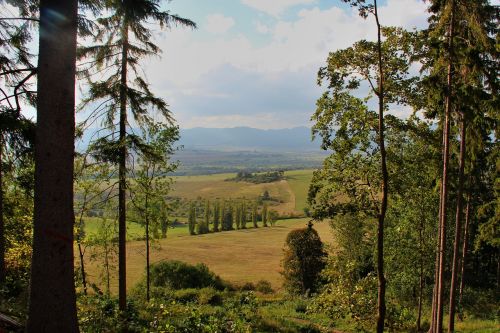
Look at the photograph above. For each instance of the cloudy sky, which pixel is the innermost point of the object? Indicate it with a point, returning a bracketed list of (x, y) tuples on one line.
[(254, 62)]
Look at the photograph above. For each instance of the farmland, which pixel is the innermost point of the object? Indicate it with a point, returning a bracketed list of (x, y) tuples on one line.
[(238, 256)]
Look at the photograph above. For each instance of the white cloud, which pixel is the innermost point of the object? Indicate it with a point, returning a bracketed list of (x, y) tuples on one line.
[(261, 27), (275, 7), (218, 23), (193, 74)]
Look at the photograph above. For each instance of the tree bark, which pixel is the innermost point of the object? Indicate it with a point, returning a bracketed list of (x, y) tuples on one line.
[(82, 268), (147, 254), (421, 274), (52, 306), (458, 225), (444, 193), (465, 248), (122, 174), (381, 307), (3, 271)]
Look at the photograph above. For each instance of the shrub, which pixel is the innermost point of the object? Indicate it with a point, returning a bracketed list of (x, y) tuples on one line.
[(248, 286), (186, 295), (264, 287), (179, 275), (209, 296), (304, 259)]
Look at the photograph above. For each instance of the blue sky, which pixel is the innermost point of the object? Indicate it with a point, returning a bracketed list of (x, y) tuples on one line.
[(254, 62)]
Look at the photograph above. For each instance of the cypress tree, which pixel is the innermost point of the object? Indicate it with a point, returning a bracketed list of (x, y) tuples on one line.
[(243, 215), (254, 215), (237, 215), (216, 216), (192, 219), (206, 222), (264, 215)]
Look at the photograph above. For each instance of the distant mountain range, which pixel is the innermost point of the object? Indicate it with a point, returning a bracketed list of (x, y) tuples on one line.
[(237, 139), (246, 138)]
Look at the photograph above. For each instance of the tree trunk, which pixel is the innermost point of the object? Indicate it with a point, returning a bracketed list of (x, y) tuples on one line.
[(465, 248), (122, 174), (458, 226), (3, 271), (52, 305), (381, 307), (80, 250), (421, 276), (147, 259), (82, 268), (444, 194)]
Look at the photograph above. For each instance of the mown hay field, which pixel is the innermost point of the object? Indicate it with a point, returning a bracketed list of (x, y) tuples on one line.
[(238, 256)]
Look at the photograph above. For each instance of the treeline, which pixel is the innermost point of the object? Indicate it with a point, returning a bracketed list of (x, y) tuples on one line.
[(413, 202), (226, 215), (258, 178)]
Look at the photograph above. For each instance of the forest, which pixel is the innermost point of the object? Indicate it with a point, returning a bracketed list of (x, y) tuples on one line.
[(396, 231)]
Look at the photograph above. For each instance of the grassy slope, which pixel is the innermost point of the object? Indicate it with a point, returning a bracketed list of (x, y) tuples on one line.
[(299, 181), (238, 256), (214, 186)]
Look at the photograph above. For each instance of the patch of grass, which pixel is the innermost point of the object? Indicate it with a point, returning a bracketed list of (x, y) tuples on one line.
[(135, 231), (236, 256), (477, 326), (216, 187), (299, 181)]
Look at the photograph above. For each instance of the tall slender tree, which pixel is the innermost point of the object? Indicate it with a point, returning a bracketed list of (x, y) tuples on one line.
[(152, 184), (379, 90), (52, 306), (123, 39), (217, 215), (254, 215)]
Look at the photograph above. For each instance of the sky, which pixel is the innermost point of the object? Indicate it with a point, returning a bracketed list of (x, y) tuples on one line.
[(254, 62)]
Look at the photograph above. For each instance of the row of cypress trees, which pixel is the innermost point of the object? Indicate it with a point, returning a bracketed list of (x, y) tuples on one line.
[(225, 216)]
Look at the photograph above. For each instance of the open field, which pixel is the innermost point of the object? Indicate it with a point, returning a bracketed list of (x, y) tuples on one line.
[(134, 230), (299, 181), (292, 192), (238, 256)]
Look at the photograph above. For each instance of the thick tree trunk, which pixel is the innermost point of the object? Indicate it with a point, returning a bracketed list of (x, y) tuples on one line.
[(52, 306), (2, 229), (465, 248), (458, 226), (381, 307), (122, 174)]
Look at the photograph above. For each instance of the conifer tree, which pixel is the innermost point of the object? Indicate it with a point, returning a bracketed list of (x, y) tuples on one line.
[(237, 215), (243, 215), (206, 222), (192, 219), (217, 215), (254, 214), (223, 225), (52, 304), (122, 41), (264, 215)]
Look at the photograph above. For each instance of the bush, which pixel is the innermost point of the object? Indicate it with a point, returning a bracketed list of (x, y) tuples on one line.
[(248, 286), (209, 296), (179, 275), (304, 259), (264, 287), (186, 295)]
